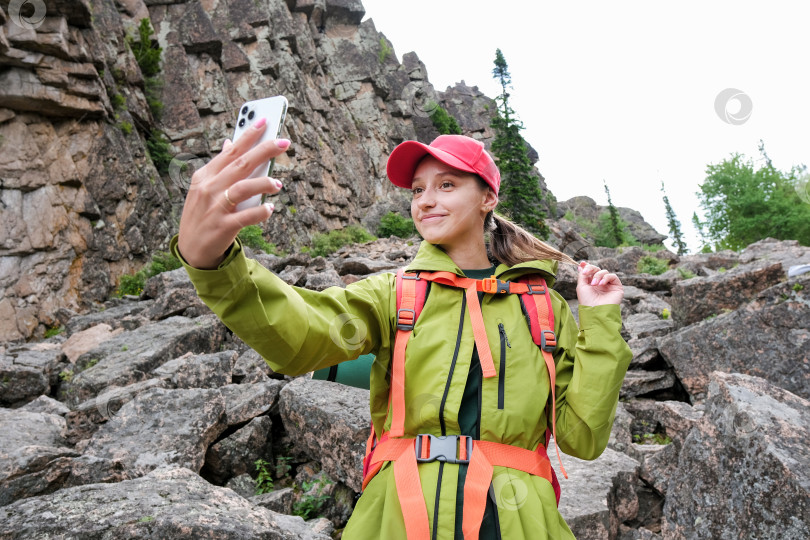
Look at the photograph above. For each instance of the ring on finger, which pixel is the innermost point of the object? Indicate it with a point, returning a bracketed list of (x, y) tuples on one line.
[(228, 198)]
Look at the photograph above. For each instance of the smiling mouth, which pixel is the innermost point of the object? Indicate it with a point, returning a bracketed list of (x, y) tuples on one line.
[(431, 218)]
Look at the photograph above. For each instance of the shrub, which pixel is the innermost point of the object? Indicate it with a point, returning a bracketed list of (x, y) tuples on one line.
[(253, 237), (56, 330), (126, 127), (311, 504), (326, 244), (685, 273), (652, 265), (395, 225), (133, 284), (665, 314), (264, 482), (444, 123), (385, 50), (159, 150)]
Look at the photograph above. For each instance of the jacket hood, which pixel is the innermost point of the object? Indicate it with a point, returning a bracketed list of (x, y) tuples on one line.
[(432, 258)]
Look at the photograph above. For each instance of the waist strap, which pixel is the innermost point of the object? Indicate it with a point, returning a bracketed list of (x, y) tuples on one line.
[(484, 456)]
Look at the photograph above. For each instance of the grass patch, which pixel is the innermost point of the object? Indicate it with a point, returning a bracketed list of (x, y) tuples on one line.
[(385, 50), (132, 284), (685, 274), (253, 237)]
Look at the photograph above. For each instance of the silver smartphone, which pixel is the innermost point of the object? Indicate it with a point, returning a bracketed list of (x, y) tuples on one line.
[(275, 110)]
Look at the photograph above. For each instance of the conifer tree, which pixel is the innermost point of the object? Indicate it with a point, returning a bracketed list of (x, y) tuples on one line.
[(520, 191), (674, 225), (615, 221)]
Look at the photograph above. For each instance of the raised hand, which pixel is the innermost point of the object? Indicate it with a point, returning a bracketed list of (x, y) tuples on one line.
[(209, 223), (596, 287)]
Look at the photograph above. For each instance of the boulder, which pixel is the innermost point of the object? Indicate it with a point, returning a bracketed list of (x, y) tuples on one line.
[(236, 454), (198, 371), (45, 404), (244, 402), (744, 470), (278, 500), (598, 495), (250, 367), (787, 252), (21, 384), (130, 356), (124, 315), (641, 325), (695, 299), (768, 338), (328, 422), (88, 339), (637, 383), (161, 427), (167, 503)]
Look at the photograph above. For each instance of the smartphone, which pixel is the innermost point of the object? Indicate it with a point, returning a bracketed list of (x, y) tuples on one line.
[(275, 110)]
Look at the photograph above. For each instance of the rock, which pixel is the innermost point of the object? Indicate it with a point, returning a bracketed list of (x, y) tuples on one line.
[(236, 454), (637, 383), (598, 494), (88, 339), (244, 402), (45, 404), (621, 437), (642, 533), (674, 418), (294, 275), (695, 299), (114, 317), (334, 500), (198, 371), (642, 325), (645, 353), (768, 338), (21, 384), (743, 470), (648, 282), (328, 422), (362, 266), (161, 427), (787, 252), (44, 357), (243, 484), (323, 280), (130, 356), (173, 302), (658, 464), (167, 503), (250, 367), (278, 500)]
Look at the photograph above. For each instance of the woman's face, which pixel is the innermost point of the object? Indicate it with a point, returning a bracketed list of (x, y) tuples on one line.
[(449, 205)]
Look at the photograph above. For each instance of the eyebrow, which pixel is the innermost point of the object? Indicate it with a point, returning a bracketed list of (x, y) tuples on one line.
[(454, 173)]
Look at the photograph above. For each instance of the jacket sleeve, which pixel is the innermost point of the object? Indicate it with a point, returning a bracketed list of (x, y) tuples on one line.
[(296, 330), (591, 362)]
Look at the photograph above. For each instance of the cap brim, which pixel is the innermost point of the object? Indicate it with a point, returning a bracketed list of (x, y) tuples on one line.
[(405, 158)]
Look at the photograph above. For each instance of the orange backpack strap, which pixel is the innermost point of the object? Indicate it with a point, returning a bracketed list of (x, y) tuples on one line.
[(537, 302)]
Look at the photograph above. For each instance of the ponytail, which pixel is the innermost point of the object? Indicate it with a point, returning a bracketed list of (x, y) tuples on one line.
[(511, 244)]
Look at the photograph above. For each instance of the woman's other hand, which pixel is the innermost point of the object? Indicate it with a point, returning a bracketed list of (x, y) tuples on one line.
[(209, 223), (596, 287)]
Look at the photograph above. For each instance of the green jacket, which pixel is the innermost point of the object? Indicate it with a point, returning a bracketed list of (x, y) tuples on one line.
[(298, 330)]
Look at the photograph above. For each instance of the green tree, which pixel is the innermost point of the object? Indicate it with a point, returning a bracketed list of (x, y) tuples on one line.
[(443, 121), (520, 192), (743, 204), (674, 225), (615, 229)]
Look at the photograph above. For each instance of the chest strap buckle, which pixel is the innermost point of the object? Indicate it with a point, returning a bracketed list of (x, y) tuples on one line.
[(446, 448)]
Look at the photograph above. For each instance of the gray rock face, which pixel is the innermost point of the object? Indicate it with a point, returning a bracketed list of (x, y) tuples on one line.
[(768, 338), (637, 383), (167, 503), (198, 371), (130, 356), (695, 299), (161, 427), (330, 423), (236, 454), (743, 471), (598, 494)]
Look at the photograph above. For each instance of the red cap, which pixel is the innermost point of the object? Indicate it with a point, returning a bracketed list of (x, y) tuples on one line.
[(457, 151)]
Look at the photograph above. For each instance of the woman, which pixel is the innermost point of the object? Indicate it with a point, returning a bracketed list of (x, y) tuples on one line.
[(454, 184)]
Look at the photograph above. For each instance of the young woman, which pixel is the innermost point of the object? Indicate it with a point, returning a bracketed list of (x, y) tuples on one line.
[(496, 414)]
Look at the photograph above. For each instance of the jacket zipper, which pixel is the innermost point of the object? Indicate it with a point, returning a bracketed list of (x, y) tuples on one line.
[(441, 414), (502, 372)]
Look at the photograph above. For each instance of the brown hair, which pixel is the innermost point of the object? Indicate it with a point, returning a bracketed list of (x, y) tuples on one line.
[(511, 244)]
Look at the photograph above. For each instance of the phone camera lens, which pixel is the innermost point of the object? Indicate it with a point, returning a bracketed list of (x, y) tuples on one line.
[(242, 123), (251, 115), (245, 109)]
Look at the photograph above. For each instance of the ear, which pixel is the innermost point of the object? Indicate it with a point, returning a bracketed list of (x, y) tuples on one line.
[(490, 201)]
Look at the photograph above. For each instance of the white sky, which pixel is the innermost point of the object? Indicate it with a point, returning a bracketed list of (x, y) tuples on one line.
[(624, 91)]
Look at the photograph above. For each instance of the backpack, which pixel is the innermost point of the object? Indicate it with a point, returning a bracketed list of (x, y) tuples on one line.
[(411, 291)]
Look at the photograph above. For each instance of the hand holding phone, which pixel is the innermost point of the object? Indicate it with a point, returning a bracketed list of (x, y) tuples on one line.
[(274, 109)]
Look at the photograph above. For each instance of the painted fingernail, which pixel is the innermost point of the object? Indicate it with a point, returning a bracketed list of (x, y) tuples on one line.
[(270, 206), (283, 143), (227, 144), (278, 183), (594, 281), (260, 124)]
